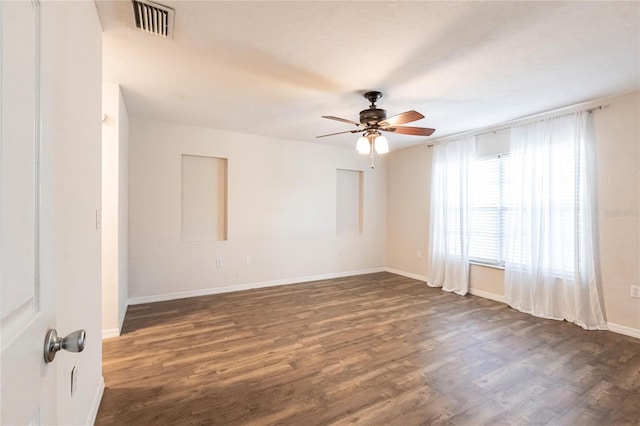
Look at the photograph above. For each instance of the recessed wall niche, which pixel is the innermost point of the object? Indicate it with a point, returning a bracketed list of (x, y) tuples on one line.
[(349, 202), (204, 198)]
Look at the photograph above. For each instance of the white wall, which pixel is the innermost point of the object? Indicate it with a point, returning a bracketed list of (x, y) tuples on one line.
[(408, 212), (618, 160), (281, 212), (618, 151), (349, 212), (115, 137), (71, 88), (123, 210)]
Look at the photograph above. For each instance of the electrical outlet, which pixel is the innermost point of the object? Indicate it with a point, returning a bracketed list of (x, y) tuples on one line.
[(635, 291), (339, 253), (218, 262), (248, 260), (74, 379), (419, 254)]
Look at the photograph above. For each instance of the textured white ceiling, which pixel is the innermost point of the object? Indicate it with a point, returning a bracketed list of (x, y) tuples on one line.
[(273, 68)]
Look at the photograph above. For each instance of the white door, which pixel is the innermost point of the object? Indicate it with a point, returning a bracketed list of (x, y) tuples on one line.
[(28, 391), (36, 240)]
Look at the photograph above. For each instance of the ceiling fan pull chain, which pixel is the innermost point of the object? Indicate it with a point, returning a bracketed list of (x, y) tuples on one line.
[(372, 154)]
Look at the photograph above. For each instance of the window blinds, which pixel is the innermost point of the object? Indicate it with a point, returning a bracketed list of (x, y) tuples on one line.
[(488, 210)]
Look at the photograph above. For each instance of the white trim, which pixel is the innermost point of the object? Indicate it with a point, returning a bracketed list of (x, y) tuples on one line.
[(487, 295), (407, 274), (110, 332), (623, 329), (486, 265), (115, 332), (247, 286), (121, 319), (95, 403)]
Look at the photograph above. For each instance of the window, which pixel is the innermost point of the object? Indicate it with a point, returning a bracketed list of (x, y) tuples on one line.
[(492, 204), (488, 209), (545, 218)]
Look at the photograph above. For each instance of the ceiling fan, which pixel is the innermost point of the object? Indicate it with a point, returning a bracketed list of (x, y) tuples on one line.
[(374, 120)]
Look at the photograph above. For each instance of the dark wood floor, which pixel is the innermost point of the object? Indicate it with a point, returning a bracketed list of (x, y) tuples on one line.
[(374, 349)]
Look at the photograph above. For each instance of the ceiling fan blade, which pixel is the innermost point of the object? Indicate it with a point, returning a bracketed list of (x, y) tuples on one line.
[(340, 133), (402, 118), (344, 120), (406, 130)]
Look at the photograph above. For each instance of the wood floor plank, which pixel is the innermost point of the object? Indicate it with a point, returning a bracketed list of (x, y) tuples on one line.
[(372, 349)]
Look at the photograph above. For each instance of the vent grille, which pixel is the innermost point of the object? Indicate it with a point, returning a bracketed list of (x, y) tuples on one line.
[(153, 18)]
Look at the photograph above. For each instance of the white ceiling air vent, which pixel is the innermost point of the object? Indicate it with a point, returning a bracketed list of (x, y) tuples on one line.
[(153, 18)]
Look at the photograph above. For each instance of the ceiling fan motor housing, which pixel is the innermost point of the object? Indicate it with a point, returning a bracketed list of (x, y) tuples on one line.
[(372, 116)]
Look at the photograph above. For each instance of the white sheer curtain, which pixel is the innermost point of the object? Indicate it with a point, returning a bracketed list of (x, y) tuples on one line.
[(551, 251), (448, 262)]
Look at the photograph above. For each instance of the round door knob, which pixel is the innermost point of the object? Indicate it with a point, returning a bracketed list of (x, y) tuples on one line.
[(73, 342)]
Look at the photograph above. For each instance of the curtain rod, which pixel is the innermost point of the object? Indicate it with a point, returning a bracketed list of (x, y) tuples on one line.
[(510, 123)]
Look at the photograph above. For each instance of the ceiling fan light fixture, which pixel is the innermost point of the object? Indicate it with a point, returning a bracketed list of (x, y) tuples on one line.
[(363, 145), (382, 145)]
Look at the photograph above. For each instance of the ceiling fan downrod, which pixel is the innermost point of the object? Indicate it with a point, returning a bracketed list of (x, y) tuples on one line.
[(373, 96)]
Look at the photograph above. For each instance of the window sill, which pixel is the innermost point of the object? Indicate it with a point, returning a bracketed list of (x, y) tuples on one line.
[(487, 265)]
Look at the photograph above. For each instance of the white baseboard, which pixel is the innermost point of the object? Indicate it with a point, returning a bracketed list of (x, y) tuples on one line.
[(623, 329), (95, 403), (115, 332), (248, 286), (406, 274), (110, 332), (491, 296)]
